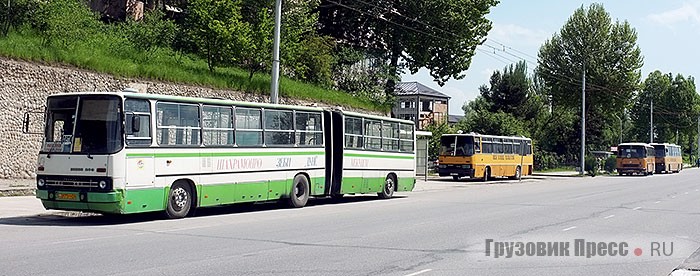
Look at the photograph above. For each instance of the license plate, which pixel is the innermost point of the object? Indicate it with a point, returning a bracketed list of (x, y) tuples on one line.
[(64, 196), (454, 174)]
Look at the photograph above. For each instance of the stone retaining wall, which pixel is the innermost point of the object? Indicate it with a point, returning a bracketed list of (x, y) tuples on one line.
[(24, 87)]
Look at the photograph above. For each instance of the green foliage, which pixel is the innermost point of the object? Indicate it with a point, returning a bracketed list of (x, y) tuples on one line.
[(610, 164), (213, 26), (362, 74), (544, 160), (437, 130), (498, 123), (592, 165), (612, 60), (403, 32), (15, 13), (63, 22), (676, 109), (154, 31)]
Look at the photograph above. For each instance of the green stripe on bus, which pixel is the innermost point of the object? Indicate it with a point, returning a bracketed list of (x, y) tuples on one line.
[(221, 154), (377, 156)]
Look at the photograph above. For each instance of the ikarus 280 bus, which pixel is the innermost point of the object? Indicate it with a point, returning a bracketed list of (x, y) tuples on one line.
[(130, 152)]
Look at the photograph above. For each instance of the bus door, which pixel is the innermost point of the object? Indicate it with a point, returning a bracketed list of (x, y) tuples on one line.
[(334, 134)]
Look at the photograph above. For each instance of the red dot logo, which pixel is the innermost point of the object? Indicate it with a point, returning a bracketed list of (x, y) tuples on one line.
[(638, 251)]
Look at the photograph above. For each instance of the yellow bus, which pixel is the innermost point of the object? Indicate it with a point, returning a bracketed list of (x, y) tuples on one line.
[(635, 158), (668, 158), (484, 156)]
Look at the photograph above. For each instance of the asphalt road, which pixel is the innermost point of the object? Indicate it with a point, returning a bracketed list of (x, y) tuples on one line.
[(439, 230)]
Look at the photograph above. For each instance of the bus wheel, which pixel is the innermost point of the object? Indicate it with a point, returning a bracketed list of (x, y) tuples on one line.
[(517, 173), (300, 192), (455, 178), (487, 174), (389, 186), (179, 200)]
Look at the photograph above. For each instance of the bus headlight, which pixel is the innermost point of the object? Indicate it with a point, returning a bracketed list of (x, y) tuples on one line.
[(41, 182), (102, 184)]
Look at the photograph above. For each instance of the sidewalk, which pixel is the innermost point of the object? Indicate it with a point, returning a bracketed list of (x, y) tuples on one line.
[(557, 174), (17, 187)]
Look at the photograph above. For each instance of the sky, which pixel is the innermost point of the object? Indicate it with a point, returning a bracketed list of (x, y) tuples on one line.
[(668, 35)]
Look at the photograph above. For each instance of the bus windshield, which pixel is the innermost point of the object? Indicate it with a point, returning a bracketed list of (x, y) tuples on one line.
[(461, 146), (96, 130), (633, 152), (660, 150)]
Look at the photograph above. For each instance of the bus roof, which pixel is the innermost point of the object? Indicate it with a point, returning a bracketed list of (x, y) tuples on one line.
[(634, 144), (664, 144), (213, 101), (487, 136), (376, 117)]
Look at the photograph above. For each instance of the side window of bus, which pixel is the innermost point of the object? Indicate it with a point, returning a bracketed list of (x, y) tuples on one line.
[(477, 144), (406, 138), (178, 124), (308, 128), (508, 146), (217, 126), (248, 127), (498, 145), (487, 145), (390, 136), (353, 133), (138, 122), (373, 134), (528, 147), (279, 130)]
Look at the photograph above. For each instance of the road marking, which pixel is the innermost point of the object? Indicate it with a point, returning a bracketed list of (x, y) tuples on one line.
[(686, 193), (419, 272), (637, 208), (567, 229), (610, 216), (657, 202)]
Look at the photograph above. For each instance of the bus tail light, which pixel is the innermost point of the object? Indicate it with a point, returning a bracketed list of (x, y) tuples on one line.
[(101, 170)]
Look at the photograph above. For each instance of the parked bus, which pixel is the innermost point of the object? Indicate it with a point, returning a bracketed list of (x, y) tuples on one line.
[(635, 158), (131, 152), (484, 156), (668, 158)]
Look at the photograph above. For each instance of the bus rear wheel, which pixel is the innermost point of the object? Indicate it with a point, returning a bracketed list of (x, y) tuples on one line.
[(179, 200), (518, 171), (300, 192), (487, 174), (389, 186)]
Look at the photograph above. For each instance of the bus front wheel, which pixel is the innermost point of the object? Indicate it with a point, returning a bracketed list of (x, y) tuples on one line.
[(300, 192), (179, 200), (389, 186), (518, 171)]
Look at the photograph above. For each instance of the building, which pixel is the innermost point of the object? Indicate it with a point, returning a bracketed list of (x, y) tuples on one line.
[(421, 104)]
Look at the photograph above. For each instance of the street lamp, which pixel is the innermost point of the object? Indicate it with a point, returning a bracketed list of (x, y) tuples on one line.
[(275, 81), (619, 51)]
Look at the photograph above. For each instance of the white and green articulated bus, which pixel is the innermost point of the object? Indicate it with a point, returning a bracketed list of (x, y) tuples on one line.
[(130, 152)]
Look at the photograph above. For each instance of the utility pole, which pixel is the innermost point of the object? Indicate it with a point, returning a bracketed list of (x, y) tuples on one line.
[(274, 90), (651, 120), (583, 119), (698, 157)]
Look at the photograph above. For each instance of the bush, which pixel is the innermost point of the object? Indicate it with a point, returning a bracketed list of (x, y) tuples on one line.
[(592, 165), (546, 160), (610, 164), (65, 21)]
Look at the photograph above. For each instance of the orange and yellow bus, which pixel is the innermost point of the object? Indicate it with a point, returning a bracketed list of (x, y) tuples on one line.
[(668, 158), (484, 156), (635, 158)]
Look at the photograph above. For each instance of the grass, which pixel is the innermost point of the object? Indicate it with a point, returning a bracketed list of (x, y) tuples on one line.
[(559, 169), (105, 54)]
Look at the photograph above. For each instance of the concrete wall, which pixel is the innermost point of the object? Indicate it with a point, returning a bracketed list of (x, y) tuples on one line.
[(24, 87)]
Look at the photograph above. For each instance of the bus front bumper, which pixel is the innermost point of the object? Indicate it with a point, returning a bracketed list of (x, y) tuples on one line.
[(458, 172), (109, 202)]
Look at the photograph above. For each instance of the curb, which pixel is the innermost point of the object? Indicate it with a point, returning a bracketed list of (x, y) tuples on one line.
[(18, 192)]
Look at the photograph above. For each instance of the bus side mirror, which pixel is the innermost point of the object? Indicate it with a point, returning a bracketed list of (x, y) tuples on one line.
[(135, 124)]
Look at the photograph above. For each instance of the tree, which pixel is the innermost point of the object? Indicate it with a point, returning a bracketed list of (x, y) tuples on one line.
[(676, 109), (213, 24), (508, 91), (440, 35), (154, 31), (437, 130), (612, 63)]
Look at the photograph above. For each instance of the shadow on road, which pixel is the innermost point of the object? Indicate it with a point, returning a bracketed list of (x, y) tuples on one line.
[(71, 218)]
